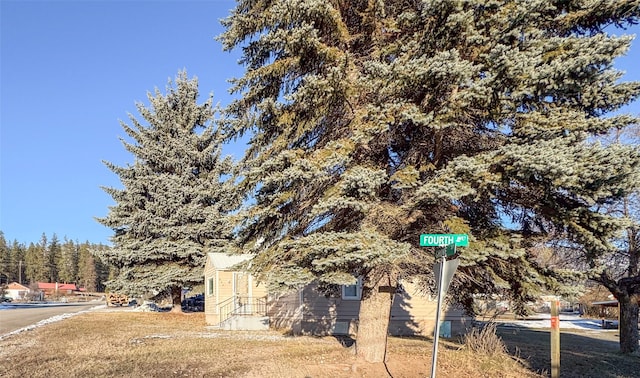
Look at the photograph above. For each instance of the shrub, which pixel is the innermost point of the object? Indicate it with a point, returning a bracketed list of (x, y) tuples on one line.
[(483, 339)]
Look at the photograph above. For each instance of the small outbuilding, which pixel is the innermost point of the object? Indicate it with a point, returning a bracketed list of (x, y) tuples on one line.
[(234, 300)]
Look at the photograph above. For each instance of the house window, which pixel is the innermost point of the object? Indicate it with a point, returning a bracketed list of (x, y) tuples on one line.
[(210, 286), (352, 292)]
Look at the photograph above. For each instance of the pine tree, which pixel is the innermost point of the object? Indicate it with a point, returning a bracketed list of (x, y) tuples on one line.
[(67, 262), (93, 273), (53, 257), (18, 253), (6, 271), (36, 268), (87, 271), (374, 121), (170, 210)]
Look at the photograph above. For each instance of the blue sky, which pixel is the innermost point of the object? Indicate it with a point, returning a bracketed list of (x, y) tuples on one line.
[(70, 70)]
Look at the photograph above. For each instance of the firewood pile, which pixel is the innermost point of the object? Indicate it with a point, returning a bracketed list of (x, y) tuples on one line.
[(116, 299)]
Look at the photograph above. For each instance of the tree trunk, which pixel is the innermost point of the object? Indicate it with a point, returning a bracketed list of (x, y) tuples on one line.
[(375, 309), (628, 323), (176, 297)]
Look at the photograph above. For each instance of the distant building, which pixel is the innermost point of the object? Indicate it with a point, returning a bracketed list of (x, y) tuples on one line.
[(16, 291), (59, 289)]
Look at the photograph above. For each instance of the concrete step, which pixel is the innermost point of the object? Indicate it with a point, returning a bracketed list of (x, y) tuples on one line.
[(246, 323)]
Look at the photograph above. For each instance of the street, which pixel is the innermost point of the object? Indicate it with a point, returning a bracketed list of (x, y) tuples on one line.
[(16, 316)]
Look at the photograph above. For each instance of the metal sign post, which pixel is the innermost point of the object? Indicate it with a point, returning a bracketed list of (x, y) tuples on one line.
[(444, 270), (436, 337)]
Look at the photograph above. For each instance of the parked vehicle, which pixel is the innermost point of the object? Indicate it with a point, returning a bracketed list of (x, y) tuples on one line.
[(195, 303)]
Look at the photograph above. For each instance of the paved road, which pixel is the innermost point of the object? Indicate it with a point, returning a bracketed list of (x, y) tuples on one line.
[(14, 317)]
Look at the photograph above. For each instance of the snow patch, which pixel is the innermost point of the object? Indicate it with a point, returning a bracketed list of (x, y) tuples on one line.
[(147, 307), (567, 321)]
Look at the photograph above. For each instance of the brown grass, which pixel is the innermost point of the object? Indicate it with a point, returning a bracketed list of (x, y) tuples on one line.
[(484, 340), (582, 353), (132, 344)]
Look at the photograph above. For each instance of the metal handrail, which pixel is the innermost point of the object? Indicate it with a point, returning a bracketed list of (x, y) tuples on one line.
[(241, 306)]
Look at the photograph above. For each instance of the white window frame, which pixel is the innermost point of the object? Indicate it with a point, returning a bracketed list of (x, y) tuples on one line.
[(358, 295)]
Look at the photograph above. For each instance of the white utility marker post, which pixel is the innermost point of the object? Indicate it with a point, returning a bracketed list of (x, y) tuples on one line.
[(444, 270)]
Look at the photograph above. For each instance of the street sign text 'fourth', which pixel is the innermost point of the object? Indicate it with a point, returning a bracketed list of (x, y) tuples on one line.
[(438, 240)]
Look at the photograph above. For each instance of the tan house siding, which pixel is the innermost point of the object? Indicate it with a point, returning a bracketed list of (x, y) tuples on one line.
[(307, 311), (322, 315), (285, 311), (210, 297), (225, 285), (414, 313)]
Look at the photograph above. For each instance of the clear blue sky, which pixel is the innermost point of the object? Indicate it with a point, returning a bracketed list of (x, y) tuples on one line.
[(70, 70)]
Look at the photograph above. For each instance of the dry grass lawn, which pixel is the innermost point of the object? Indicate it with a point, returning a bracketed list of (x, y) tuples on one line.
[(582, 353), (133, 344)]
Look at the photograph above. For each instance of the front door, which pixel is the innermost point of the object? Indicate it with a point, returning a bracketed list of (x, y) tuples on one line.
[(242, 291)]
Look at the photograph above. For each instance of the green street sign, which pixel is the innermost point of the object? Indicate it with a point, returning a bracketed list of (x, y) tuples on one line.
[(439, 240)]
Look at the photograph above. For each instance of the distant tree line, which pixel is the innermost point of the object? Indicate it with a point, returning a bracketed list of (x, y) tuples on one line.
[(52, 260)]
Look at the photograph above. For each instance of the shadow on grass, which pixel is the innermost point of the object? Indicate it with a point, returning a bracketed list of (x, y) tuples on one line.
[(581, 354)]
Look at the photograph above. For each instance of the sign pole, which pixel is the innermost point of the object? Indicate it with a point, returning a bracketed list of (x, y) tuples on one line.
[(446, 244), (436, 336)]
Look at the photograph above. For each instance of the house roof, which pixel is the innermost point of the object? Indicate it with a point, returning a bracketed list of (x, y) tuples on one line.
[(16, 286), (222, 261), (611, 303), (56, 286)]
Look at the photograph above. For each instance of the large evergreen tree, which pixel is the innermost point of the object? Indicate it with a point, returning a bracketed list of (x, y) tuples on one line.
[(374, 121), (88, 276), (36, 261), (18, 253), (67, 262), (53, 257), (170, 209)]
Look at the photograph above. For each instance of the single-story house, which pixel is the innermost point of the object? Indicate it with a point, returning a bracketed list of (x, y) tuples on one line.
[(58, 289), (16, 291), (232, 296)]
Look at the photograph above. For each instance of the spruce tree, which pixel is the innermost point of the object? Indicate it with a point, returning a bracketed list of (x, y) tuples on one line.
[(374, 121), (87, 269), (169, 211), (53, 257), (18, 253), (67, 262), (6, 272), (36, 267)]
